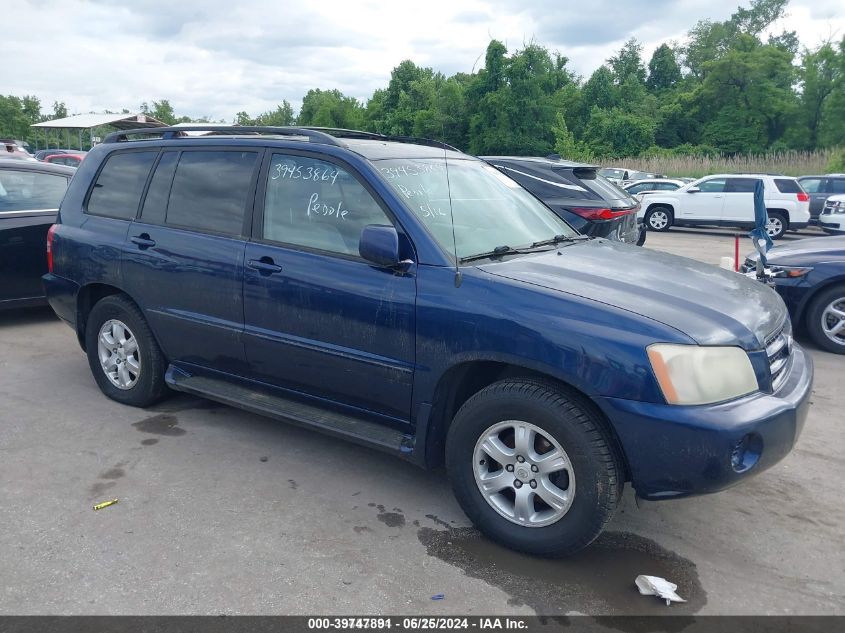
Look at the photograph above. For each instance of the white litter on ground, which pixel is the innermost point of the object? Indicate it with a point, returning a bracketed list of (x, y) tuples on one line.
[(656, 586)]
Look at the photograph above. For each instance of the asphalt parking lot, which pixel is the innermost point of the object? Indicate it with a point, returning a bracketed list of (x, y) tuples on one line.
[(222, 511)]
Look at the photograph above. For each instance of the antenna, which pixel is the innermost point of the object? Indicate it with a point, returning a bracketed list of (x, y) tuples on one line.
[(458, 276)]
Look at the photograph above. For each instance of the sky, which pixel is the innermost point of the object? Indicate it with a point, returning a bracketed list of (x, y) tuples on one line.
[(218, 57)]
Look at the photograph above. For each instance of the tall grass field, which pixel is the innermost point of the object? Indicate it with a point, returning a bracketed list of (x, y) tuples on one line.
[(789, 163)]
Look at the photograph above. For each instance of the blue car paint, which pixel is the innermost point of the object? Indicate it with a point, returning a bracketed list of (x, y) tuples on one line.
[(386, 343), (826, 257)]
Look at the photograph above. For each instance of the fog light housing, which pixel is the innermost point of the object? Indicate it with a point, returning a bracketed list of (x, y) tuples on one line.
[(746, 452)]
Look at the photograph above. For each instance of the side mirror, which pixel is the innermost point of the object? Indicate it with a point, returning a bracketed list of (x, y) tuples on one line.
[(380, 245), (693, 190)]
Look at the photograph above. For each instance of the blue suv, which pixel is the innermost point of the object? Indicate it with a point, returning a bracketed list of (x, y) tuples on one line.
[(406, 296)]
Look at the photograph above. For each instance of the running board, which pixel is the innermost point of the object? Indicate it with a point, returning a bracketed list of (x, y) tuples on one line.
[(264, 403)]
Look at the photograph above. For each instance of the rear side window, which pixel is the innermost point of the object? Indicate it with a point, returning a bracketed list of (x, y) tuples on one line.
[(836, 185), (740, 185), (812, 185), (546, 184), (155, 204), (30, 190), (117, 191), (788, 185), (211, 190)]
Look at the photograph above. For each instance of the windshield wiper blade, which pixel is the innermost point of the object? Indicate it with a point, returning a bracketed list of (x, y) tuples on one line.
[(496, 252), (557, 239)]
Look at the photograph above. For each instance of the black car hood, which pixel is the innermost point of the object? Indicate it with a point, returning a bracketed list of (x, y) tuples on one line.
[(807, 250), (710, 305)]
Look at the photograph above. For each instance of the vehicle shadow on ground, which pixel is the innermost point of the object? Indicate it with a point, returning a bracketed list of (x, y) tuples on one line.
[(599, 579), (27, 316)]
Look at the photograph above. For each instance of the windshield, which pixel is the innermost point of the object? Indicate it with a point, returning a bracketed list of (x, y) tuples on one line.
[(490, 209), (609, 172)]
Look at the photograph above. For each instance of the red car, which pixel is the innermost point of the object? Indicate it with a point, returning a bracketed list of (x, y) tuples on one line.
[(71, 160)]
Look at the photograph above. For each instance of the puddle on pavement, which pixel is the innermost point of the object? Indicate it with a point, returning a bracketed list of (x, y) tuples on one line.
[(599, 579), (162, 424)]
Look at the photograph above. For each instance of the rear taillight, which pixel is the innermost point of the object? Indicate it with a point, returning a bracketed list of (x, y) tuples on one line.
[(50, 233), (589, 213), (803, 197)]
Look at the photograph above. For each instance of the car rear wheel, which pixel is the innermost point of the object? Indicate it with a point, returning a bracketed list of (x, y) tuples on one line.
[(776, 225), (533, 467), (659, 219), (826, 319), (124, 357)]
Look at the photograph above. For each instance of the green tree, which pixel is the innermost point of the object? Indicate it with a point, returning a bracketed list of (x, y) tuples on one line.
[(599, 91), (664, 73), (565, 144), (628, 62), (616, 133), (710, 40), (330, 108), (750, 91)]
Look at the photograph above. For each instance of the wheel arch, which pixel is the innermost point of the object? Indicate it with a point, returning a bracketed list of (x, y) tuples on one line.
[(780, 211), (801, 312), (86, 299), (663, 205), (463, 380)]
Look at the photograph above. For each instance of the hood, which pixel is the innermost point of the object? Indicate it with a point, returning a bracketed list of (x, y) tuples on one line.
[(710, 305), (812, 249)]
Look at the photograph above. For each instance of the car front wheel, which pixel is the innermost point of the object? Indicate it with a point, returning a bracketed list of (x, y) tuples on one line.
[(533, 467), (826, 319)]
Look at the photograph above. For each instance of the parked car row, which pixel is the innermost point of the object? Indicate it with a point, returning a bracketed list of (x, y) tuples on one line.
[(727, 200), (30, 193)]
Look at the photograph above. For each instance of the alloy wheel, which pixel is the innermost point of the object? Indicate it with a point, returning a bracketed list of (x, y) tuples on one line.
[(524, 473), (119, 355), (658, 220), (833, 321)]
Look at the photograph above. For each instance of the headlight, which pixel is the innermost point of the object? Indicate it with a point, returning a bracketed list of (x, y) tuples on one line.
[(689, 374)]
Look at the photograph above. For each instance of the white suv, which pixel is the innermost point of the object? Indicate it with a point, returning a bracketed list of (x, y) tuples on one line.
[(832, 217), (728, 200)]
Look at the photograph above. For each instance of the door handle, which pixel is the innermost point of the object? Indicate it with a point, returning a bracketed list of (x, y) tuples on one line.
[(143, 241), (265, 265)]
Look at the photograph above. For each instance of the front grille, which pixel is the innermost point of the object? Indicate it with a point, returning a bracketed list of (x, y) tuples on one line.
[(779, 352)]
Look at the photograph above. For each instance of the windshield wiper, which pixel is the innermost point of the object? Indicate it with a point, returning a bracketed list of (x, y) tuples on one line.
[(508, 250), (557, 239), (496, 252)]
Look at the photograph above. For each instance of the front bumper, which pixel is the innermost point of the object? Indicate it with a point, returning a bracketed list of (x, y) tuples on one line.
[(677, 451)]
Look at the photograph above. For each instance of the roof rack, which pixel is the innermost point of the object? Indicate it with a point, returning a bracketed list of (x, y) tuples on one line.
[(312, 134), (373, 136)]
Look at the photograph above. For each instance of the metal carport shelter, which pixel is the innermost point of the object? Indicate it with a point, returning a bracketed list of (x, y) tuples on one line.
[(81, 122)]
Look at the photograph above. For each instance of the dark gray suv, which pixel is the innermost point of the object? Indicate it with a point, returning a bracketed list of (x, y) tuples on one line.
[(820, 188)]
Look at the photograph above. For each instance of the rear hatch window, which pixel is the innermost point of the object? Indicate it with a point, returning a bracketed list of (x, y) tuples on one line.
[(788, 185), (558, 184)]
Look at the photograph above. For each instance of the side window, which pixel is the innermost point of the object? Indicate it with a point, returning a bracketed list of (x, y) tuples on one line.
[(211, 190), (836, 185), (117, 191), (155, 204), (812, 185), (740, 185), (30, 190), (637, 188), (714, 185), (316, 204)]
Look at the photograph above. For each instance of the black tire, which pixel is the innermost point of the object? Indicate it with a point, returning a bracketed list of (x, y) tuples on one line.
[(783, 224), (656, 215), (596, 464), (815, 314), (149, 386)]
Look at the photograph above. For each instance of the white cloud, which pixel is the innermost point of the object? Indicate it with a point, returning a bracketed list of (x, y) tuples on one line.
[(216, 58)]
